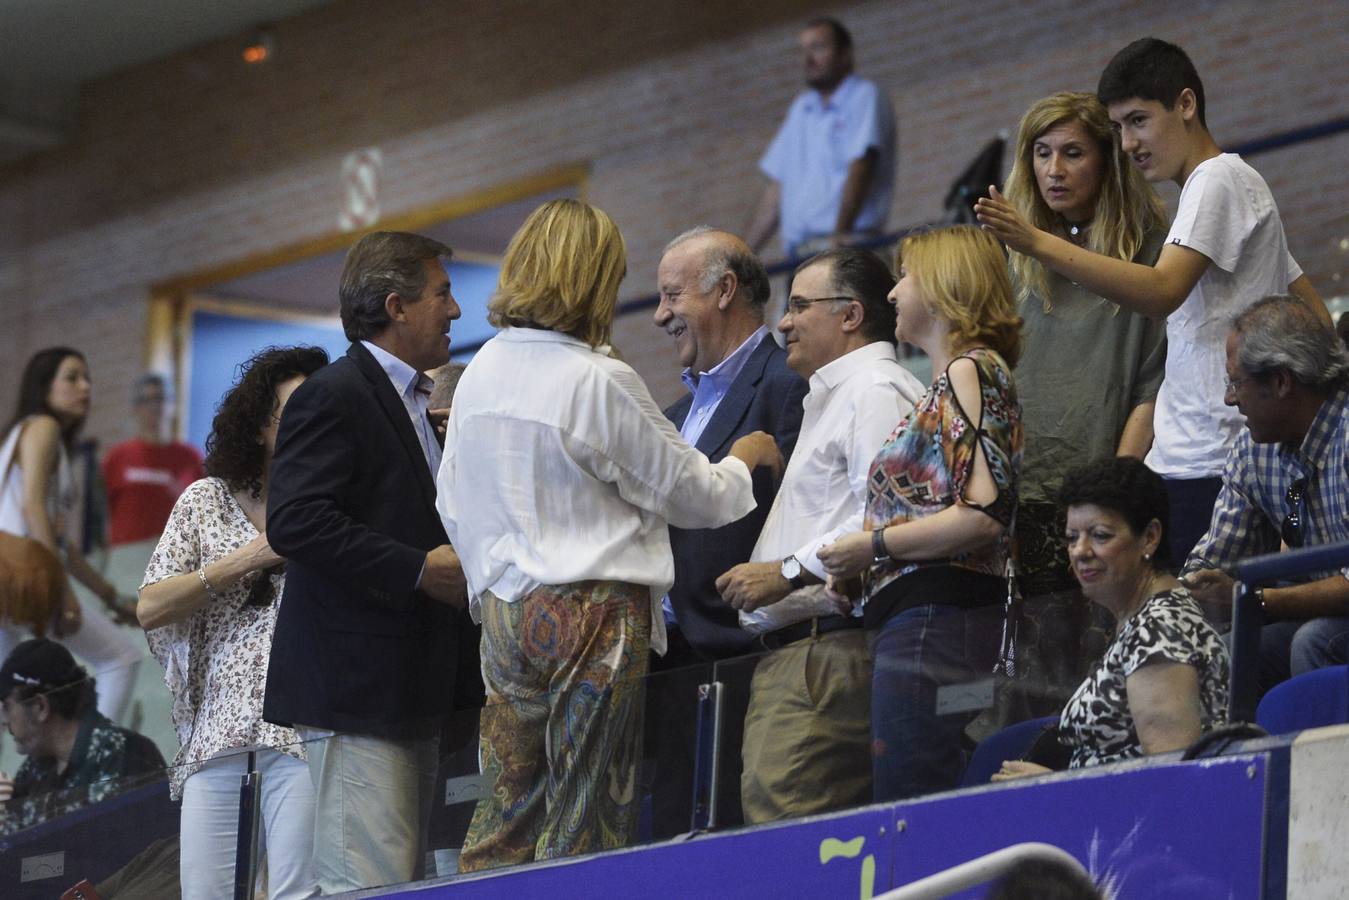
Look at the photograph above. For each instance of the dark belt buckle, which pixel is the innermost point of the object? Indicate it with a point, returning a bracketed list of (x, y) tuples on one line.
[(814, 627)]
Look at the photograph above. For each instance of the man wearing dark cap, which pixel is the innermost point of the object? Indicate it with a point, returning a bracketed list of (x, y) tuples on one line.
[(75, 756)]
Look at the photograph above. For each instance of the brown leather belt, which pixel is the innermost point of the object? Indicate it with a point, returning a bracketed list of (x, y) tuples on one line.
[(810, 628)]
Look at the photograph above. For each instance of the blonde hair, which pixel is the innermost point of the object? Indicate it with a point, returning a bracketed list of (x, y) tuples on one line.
[(561, 272), (962, 273), (1127, 207)]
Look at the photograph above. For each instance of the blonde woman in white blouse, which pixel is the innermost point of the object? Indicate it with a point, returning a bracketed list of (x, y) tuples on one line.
[(559, 478), (208, 605)]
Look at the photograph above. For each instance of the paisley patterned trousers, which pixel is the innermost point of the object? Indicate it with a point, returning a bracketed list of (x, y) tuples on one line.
[(564, 668)]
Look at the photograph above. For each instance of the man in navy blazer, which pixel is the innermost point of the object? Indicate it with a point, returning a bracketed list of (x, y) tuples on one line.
[(713, 291), (371, 634)]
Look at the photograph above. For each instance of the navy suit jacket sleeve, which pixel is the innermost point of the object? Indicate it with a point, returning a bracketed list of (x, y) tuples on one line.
[(310, 505), (789, 391)]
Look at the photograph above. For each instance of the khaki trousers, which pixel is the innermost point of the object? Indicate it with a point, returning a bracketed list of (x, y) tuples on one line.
[(372, 800), (808, 729)]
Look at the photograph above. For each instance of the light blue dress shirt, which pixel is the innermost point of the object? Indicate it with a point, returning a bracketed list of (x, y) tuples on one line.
[(414, 389), (711, 386), (810, 155), (708, 390)]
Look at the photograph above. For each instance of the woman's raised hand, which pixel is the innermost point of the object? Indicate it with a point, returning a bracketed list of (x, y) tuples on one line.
[(1008, 225)]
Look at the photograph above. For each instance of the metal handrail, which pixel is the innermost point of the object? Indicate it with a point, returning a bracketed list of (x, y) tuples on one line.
[(982, 869), (1264, 570), (1253, 147), (1249, 148), (246, 841)]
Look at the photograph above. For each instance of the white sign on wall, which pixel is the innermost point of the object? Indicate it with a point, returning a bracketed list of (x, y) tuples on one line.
[(360, 189)]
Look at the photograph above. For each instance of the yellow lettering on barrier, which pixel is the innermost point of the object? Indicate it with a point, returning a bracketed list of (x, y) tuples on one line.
[(833, 848)]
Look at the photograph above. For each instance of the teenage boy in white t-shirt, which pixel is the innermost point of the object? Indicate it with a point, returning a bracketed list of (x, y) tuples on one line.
[(1226, 249)]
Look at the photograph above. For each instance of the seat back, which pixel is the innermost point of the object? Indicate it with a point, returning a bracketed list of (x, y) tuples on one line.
[(1311, 700), (1011, 742)]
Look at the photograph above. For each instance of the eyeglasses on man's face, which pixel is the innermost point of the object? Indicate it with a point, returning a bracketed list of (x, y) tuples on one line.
[(797, 305)]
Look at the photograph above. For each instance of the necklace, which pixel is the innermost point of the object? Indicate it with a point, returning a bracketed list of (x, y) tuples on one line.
[(1077, 233)]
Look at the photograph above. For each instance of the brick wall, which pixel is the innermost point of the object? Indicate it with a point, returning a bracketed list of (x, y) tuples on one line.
[(194, 162)]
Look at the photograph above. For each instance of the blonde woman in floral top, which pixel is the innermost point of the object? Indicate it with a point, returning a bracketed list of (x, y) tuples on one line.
[(940, 505), (208, 605)]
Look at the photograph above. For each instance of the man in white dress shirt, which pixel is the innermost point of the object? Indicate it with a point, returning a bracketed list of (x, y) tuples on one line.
[(808, 730)]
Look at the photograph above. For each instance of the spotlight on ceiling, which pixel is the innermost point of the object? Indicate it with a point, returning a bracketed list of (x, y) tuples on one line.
[(261, 48)]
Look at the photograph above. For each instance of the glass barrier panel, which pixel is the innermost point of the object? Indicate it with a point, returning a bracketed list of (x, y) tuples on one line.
[(118, 833), (585, 769), (670, 754)]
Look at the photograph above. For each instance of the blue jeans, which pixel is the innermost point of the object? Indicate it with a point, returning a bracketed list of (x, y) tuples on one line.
[(918, 748), (1294, 646), (1191, 501)]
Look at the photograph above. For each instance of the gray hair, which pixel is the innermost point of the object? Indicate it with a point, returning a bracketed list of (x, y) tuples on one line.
[(380, 264), (721, 257), (1282, 332), (446, 380)]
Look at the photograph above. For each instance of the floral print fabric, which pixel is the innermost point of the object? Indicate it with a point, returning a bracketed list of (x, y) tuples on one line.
[(105, 761), (926, 464), (215, 663), (564, 667)]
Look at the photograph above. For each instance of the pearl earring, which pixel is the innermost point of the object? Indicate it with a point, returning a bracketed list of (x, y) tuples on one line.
[(1147, 556)]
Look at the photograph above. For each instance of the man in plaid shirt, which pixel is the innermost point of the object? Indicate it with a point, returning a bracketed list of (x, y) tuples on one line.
[(1286, 483)]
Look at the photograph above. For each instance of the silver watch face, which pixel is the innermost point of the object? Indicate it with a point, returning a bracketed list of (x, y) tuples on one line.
[(791, 568)]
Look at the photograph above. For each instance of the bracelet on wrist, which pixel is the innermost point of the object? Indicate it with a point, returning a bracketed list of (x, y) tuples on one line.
[(210, 590)]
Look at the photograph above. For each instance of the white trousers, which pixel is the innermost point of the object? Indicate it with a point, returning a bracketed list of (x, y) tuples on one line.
[(210, 826)]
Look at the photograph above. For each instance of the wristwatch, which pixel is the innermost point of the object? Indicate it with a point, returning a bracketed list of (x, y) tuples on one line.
[(791, 570), (879, 552)]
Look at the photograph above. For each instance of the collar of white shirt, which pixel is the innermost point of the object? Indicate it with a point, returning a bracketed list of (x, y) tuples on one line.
[(832, 374), (519, 335)]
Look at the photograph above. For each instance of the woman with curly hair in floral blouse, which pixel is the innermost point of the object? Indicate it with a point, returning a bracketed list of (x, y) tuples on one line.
[(940, 502), (208, 605), (1163, 680)]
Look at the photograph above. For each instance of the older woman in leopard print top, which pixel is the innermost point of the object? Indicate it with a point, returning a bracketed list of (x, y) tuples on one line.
[(1163, 680)]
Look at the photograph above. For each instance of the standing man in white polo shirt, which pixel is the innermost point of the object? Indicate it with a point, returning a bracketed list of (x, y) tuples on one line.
[(831, 167), (807, 745)]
